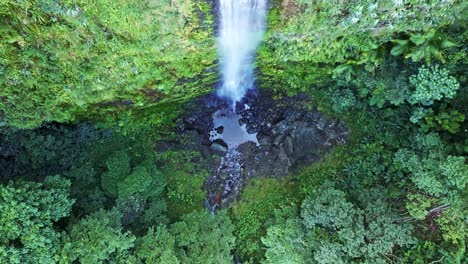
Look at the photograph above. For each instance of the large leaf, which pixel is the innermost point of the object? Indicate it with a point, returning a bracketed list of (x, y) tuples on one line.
[(448, 44), (399, 50), (418, 39)]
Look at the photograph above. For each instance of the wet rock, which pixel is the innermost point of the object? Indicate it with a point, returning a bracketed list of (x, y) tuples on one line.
[(264, 141), (289, 145), (219, 147), (278, 140), (181, 126), (221, 142), (252, 130), (206, 151), (280, 128), (283, 156), (321, 124), (219, 130), (289, 137), (205, 140), (223, 176)]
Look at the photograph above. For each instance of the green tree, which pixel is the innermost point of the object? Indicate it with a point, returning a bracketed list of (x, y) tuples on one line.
[(98, 238), (144, 179), (287, 243), (184, 182), (432, 84), (157, 246), (204, 238), (431, 168), (334, 230), (28, 213), (140, 197), (450, 120), (439, 183), (118, 168)]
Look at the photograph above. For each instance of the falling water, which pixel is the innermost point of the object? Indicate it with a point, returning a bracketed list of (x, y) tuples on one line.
[(242, 23)]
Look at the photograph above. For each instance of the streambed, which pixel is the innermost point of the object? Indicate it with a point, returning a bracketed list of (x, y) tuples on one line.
[(261, 137)]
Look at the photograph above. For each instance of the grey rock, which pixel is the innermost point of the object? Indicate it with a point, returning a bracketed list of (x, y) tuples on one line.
[(220, 130), (219, 149), (205, 151), (322, 123), (283, 156), (252, 129), (278, 140), (288, 145), (264, 141), (280, 128)]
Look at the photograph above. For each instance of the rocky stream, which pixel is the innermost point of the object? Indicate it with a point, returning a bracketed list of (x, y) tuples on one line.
[(271, 138)]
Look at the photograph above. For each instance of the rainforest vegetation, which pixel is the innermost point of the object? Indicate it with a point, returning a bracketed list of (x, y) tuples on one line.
[(89, 87)]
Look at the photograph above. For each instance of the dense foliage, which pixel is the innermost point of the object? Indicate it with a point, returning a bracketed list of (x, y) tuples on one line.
[(29, 211), (62, 60), (395, 71), (87, 88), (333, 230)]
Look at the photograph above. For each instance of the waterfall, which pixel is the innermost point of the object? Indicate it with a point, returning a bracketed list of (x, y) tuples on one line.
[(241, 27), (242, 23)]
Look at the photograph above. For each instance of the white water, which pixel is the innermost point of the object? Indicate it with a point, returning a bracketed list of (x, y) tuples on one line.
[(242, 23)]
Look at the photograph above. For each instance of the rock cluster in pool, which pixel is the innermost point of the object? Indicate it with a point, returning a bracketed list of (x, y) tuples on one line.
[(289, 135)]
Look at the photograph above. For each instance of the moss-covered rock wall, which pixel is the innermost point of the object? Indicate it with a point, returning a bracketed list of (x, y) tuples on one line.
[(68, 60)]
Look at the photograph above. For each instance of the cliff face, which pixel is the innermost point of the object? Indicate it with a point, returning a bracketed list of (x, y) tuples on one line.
[(70, 62), (60, 61), (324, 31), (307, 40)]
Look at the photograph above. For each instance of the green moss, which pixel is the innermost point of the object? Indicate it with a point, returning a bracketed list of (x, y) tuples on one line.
[(70, 61)]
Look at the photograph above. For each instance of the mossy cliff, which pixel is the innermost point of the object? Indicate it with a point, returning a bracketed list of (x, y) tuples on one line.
[(66, 61)]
